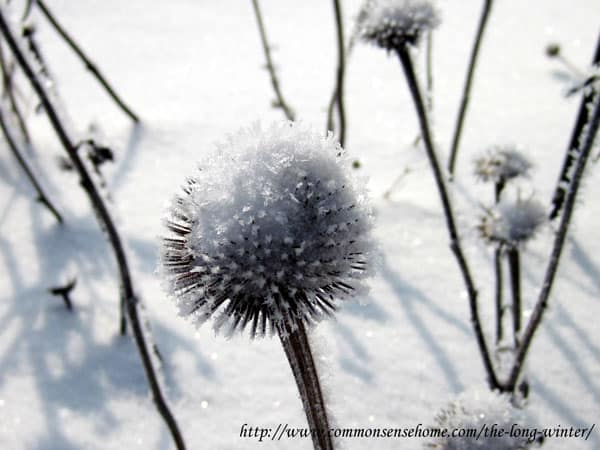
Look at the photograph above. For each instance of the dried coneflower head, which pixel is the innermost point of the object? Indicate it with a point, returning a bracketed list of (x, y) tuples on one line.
[(501, 163), (474, 410), (274, 229), (394, 24), (513, 223)]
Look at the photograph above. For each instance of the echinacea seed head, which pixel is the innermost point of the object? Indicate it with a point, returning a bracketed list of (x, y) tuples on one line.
[(512, 223), (396, 24), (477, 408), (274, 230), (502, 163)]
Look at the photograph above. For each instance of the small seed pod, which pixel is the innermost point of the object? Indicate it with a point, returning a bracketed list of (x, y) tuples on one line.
[(274, 229), (501, 163), (477, 409), (394, 24), (512, 223)]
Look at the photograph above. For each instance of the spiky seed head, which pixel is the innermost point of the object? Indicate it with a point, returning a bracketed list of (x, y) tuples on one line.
[(273, 230), (502, 163), (512, 223), (395, 24), (475, 408)]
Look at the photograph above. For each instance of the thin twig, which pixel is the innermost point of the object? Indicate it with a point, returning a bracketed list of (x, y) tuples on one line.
[(338, 93), (8, 87), (485, 13), (12, 145), (280, 103), (499, 293), (89, 65), (297, 349), (106, 223), (583, 116), (559, 242), (455, 245), (64, 291)]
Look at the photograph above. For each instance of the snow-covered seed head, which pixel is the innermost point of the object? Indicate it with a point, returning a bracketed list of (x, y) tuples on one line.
[(274, 230), (512, 222), (394, 24), (501, 163), (476, 408)]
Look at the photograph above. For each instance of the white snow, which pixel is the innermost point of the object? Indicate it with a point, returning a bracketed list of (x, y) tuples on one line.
[(194, 72)]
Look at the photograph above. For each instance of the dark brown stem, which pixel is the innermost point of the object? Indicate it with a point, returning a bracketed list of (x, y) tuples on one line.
[(455, 245), (297, 349), (89, 65), (106, 223), (338, 94), (514, 267), (12, 145), (9, 91), (462, 111), (281, 103), (583, 117), (499, 300), (559, 242)]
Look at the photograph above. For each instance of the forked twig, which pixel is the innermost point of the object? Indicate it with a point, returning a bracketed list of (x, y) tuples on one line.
[(106, 223)]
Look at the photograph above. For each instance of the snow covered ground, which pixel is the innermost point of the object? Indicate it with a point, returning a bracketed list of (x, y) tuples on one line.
[(193, 72)]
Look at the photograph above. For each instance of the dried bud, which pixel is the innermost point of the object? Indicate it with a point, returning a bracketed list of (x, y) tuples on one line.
[(513, 223), (501, 163), (274, 229), (394, 24), (552, 50)]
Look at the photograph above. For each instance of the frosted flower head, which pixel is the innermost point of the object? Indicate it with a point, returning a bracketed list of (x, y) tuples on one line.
[(273, 230), (513, 222), (394, 24), (501, 163), (477, 408)]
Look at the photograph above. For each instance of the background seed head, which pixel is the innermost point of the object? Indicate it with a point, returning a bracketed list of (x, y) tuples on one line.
[(513, 222), (502, 163), (477, 407), (272, 230), (393, 24)]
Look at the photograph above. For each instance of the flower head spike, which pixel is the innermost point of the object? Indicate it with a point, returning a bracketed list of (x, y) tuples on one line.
[(475, 408), (501, 163), (394, 24), (513, 222), (273, 230)]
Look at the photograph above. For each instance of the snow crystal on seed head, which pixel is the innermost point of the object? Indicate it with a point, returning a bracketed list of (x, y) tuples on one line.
[(513, 222), (273, 229), (392, 24), (502, 163), (475, 409)]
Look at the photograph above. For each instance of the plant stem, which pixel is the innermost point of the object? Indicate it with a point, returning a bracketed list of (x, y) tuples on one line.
[(455, 245), (583, 117), (559, 242), (89, 65), (297, 349), (514, 267), (338, 93), (485, 13), (106, 223), (12, 145), (499, 303), (281, 103), (429, 69), (9, 91)]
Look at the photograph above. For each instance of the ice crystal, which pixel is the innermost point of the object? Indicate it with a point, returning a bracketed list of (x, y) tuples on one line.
[(501, 163), (513, 222), (480, 409), (393, 24), (273, 229)]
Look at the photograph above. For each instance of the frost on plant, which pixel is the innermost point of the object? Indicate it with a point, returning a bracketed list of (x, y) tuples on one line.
[(392, 24), (501, 163), (513, 222), (274, 227), (477, 409)]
